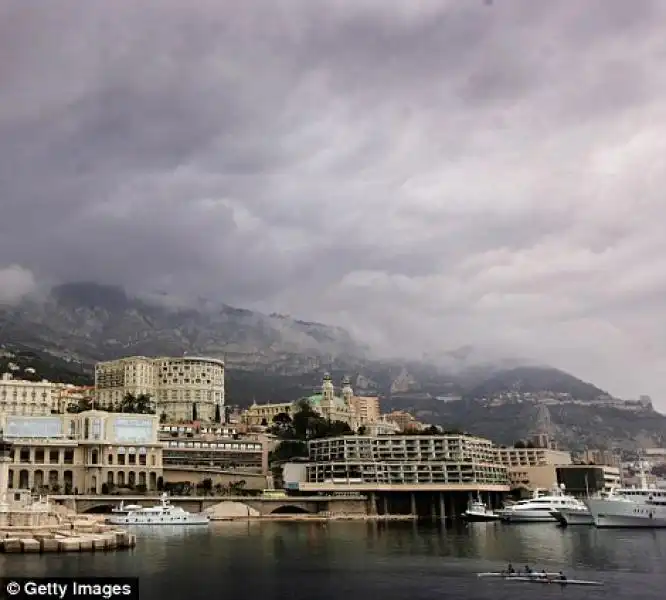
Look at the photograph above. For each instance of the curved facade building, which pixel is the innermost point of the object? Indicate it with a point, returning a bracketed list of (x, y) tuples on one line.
[(188, 388)]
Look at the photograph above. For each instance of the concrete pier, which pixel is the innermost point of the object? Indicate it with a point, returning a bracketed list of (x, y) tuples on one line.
[(65, 541)]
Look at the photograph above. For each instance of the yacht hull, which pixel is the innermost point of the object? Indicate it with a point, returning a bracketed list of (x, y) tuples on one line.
[(157, 521), (622, 514), (474, 517), (527, 516), (566, 517)]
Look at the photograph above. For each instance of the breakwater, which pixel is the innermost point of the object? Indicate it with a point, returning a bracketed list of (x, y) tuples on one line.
[(57, 539)]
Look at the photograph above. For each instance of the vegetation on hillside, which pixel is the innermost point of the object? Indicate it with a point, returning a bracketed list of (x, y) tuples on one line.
[(35, 366), (534, 380), (574, 426), (294, 432)]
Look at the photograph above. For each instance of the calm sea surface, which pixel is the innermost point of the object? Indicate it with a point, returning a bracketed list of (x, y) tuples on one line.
[(312, 561)]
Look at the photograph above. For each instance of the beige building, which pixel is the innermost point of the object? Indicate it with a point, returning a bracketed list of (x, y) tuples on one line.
[(81, 452), (30, 398), (532, 457), (212, 448), (327, 403), (263, 414), (404, 420), (366, 409), (600, 457), (66, 395), (184, 389), (533, 468), (364, 463)]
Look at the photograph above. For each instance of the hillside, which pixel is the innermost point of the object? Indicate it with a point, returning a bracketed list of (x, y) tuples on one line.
[(574, 426), (91, 322), (24, 363), (532, 380), (278, 358)]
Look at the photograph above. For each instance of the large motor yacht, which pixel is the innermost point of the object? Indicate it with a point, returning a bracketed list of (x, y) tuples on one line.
[(162, 514), (540, 507), (642, 506), (578, 515)]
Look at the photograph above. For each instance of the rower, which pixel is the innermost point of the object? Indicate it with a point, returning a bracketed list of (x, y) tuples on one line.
[(528, 571), (562, 577), (510, 570)]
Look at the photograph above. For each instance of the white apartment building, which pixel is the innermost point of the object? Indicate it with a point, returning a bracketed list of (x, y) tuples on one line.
[(185, 388), (395, 462), (30, 398)]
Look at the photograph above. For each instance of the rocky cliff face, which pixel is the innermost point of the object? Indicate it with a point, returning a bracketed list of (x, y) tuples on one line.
[(91, 322)]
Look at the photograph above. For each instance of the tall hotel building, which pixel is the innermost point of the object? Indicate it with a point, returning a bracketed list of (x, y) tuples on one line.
[(184, 389)]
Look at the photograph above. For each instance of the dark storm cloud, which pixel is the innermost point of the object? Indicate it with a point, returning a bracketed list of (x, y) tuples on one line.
[(429, 174)]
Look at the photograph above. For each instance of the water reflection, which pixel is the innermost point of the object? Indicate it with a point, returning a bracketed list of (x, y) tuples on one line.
[(351, 559)]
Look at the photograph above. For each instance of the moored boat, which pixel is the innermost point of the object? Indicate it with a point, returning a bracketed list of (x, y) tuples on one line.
[(478, 512), (643, 506), (573, 516), (121, 509), (538, 509), (162, 514)]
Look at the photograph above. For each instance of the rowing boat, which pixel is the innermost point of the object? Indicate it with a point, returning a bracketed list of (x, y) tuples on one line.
[(532, 579), (507, 575)]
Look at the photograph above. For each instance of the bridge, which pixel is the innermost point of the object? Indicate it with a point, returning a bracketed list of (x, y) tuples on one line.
[(349, 504)]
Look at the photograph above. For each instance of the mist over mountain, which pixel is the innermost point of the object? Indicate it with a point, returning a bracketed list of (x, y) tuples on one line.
[(90, 322)]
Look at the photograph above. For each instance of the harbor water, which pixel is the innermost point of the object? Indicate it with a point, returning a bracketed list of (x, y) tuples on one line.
[(349, 561)]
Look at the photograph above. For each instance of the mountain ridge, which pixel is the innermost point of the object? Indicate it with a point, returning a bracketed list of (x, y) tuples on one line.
[(96, 322)]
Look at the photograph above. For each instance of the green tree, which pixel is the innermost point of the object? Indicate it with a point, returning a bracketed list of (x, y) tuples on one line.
[(236, 488), (362, 430), (144, 405), (307, 422), (288, 449), (431, 430), (282, 426), (207, 486)]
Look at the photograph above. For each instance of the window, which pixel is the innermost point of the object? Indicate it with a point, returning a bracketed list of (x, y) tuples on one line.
[(54, 456)]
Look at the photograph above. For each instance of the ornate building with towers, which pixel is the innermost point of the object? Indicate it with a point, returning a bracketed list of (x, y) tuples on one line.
[(356, 411)]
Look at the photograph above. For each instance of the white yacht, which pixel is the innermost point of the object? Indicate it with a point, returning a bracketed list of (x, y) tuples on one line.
[(121, 509), (642, 506), (162, 514), (539, 508), (578, 515), (478, 512)]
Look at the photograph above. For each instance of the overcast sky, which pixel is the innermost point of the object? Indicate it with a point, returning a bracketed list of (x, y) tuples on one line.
[(428, 174)]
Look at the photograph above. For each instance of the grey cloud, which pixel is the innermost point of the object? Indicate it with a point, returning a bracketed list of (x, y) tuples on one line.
[(429, 177)]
